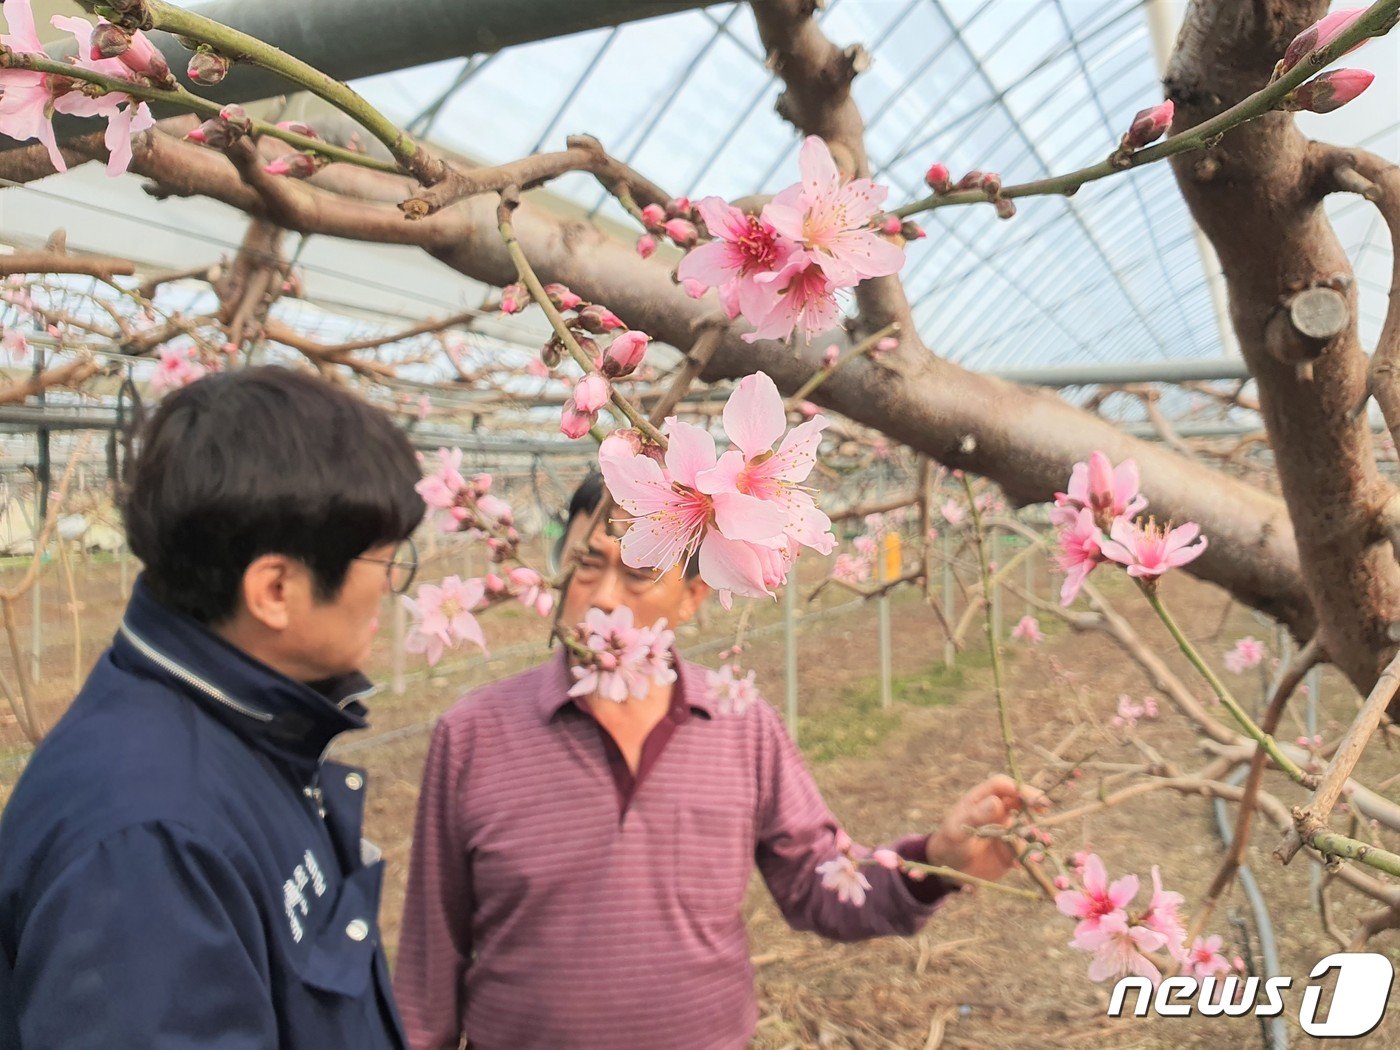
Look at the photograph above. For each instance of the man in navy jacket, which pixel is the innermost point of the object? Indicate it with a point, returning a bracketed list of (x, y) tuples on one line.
[(179, 865)]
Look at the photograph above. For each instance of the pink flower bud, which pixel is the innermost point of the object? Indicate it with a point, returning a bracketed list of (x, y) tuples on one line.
[(808, 409), (886, 858), (1149, 125), (970, 181), (991, 183), (296, 127), (293, 166), (591, 393), (144, 57), (653, 215), (679, 206), (544, 602), (625, 353), (1319, 35), (885, 345), (891, 225), (575, 424), (939, 179), (237, 116), (830, 355), (494, 584), (561, 297), (1331, 90), (207, 67), (1061, 883), (595, 319), (693, 288), (912, 231), (1005, 207), (682, 231), (513, 298), (843, 841), (646, 246), (537, 368), (109, 41)]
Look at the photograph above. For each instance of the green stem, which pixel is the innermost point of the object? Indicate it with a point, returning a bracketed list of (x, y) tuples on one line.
[(528, 277), (859, 350), (991, 636), (190, 101), (1329, 843), (1264, 740), (242, 47), (1376, 22)]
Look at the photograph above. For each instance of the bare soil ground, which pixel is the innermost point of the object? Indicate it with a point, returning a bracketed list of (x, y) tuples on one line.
[(989, 970)]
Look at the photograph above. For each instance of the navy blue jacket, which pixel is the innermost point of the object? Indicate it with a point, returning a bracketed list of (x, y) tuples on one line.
[(179, 866)]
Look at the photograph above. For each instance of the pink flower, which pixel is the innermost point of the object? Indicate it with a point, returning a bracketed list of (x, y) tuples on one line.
[(755, 420), (141, 56), (850, 569), (1149, 125), (574, 424), (806, 300), (732, 693), (1247, 653), (693, 288), (1079, 553), (1204, 958), (653, 215), (1110, 493), (440, 489), (1150, 550), (597, 319), (842, 876), (646, 246), (744, 247), (15, 344), (1097, 901), (25, 98), (1319, 35), (673, 521), (529, 586), (1128, 712), (939, 179), (1331, 90), (591, 393), (625, 353), (1163, 914), (125, 116), (831, 219), (953, 512), (624, 659), (442, 617), (884, 346), (1118, 949), (830, 356), (1028, 630), (177, 368)]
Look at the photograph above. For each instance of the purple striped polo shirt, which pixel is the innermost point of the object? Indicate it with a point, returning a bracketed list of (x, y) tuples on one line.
[(545, 909)]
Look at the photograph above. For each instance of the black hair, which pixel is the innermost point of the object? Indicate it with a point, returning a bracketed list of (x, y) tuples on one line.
[(585, 500), (264, 461)]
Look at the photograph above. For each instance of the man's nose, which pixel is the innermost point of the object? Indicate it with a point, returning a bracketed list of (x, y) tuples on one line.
[(608, 590)]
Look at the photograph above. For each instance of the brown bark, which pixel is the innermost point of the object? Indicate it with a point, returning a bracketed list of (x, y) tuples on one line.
[(1258, 200)]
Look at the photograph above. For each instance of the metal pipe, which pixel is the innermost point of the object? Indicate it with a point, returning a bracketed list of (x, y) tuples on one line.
[(350, 39)]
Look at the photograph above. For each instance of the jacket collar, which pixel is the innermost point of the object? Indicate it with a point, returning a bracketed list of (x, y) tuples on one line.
[(296, 720), (691, 686)]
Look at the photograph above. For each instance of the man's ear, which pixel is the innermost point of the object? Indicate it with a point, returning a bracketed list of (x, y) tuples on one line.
[(269, 589), (696, 591)]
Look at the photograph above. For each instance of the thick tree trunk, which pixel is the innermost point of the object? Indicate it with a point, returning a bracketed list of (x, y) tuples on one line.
[(1258, 197)]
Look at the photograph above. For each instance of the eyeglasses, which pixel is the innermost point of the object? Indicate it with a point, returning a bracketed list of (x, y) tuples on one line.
[(401, 568)]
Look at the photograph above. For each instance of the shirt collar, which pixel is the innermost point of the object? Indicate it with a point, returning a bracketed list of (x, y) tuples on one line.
[(297, 720), (691, 687)]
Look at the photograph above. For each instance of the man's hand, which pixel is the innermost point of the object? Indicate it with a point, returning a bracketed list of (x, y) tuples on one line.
[(994, 801)]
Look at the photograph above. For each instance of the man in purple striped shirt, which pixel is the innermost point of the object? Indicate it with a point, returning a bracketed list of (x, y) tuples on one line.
[(579, 865)]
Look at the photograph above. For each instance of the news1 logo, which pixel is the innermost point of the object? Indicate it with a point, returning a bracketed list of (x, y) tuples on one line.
[(1358, 1000)]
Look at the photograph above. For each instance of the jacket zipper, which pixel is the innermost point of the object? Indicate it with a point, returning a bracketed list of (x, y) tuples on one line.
[(189, 677)]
